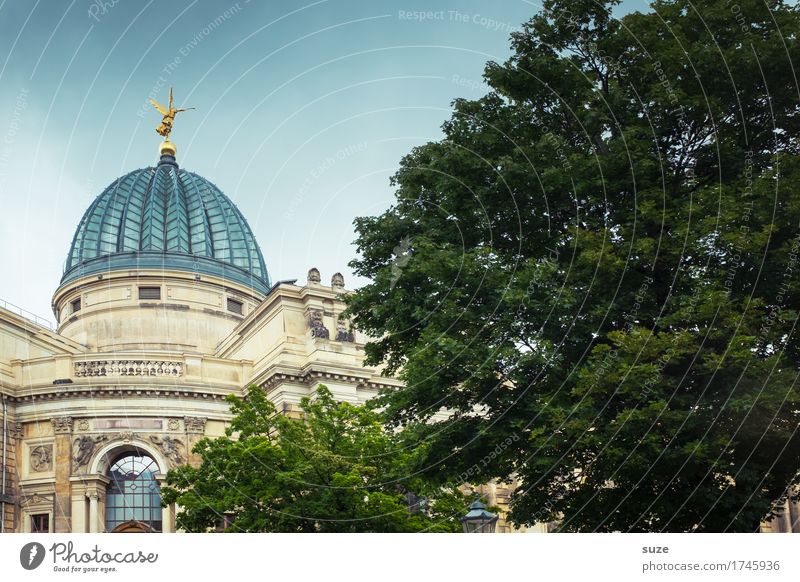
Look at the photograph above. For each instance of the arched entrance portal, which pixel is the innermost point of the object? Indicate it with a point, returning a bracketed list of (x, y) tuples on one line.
[(133, 497), (132, 526)]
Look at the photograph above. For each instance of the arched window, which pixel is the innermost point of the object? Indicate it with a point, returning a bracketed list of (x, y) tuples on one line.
[(133, 494)]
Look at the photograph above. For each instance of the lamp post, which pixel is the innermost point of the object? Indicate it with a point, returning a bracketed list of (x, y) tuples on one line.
[(478, 519)]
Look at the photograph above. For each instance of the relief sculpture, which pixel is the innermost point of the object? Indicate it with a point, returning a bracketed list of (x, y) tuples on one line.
[(41, 458), (172, 448), (82, 449)]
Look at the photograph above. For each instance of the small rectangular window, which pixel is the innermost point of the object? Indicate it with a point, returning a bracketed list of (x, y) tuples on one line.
[(150, 293), (235, 306), (76, 305), (40, 523)]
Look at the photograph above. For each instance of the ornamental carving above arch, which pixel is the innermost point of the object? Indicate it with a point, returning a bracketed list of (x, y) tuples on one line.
[(115, 446), (83, 449), (171, 447)]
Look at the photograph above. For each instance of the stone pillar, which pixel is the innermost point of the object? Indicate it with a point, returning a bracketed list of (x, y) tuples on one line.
[(167, 519), (96, 486), (167, 513), (94, 523), (79, 514), (62, 429)]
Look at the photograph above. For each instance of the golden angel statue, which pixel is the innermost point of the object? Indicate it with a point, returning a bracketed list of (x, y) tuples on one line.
[(169, 116)]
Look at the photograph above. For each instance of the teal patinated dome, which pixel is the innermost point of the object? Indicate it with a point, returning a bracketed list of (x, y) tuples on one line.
[(164, 217)]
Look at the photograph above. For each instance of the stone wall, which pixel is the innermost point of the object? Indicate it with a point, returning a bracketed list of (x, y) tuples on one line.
[(12, 439)]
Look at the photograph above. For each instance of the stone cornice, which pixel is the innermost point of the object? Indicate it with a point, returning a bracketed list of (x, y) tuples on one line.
[(116, 392), (309, 377), (147, 389)]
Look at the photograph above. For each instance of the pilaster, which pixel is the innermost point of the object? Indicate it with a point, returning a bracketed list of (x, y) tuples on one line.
[(62, 431), (195, 427)]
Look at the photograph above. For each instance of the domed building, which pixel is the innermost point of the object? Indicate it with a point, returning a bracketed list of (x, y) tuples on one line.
[(165, 307)]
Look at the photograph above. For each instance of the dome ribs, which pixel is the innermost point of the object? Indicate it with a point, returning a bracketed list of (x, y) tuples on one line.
[(130, 232), (108, 232), (217, 221), (161, 217), (155, 210), (199, 229), (76, 248), (177, 221), (92, 242)]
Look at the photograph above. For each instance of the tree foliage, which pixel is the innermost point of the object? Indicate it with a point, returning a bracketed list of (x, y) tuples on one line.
[(601, 257), (335, 470)]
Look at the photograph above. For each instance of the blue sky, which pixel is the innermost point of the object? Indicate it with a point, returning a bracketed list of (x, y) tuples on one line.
[(303, 112)]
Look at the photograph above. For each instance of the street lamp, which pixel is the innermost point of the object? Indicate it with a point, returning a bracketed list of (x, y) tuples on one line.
[(478, 519)]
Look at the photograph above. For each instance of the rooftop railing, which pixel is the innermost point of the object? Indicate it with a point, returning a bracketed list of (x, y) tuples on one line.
[(32, 317)]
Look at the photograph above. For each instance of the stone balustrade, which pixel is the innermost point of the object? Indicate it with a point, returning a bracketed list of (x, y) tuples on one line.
[(153, 368)]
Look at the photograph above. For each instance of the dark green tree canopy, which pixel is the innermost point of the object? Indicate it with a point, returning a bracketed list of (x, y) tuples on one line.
[(335, 470), (601, 258)]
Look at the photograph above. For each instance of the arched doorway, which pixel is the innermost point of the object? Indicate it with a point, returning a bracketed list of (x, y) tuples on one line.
[(132, 526), (133, 497)]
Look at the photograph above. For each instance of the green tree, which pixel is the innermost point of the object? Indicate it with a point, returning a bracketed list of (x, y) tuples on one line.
[(601, 258), (335, 470)]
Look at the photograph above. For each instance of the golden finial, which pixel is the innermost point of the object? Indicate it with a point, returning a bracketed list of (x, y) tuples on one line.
[(169, 113)]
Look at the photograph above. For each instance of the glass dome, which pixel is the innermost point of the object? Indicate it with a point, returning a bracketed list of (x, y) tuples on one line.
[(166, 218)]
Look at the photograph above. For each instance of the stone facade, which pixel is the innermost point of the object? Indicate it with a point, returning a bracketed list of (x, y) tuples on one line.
[(150, 376)]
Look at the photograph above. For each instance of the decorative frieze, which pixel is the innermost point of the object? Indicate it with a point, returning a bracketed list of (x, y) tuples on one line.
[(62, 424), (41, 458), (195, 424), (103, 368), (173, 424)]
